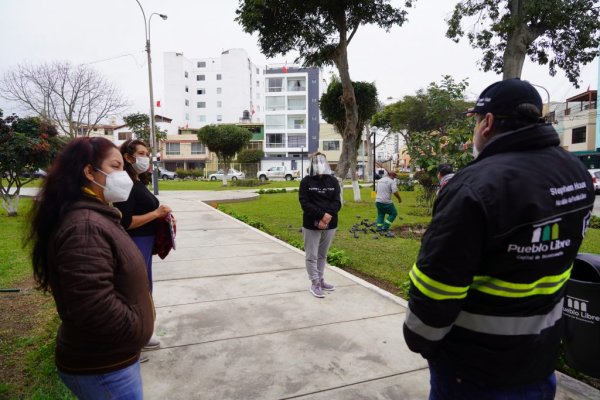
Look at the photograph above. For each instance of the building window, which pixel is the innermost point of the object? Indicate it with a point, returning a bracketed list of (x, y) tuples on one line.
[(187, 116), (297, 103), (201, 64), (187, 89), (257, 71), (187, 102), (219, 104), (296, 141), (173, 149), (257, 83), (219, 90), (201, 118), (331, 144), (201, 104), (275, 103), (275, 122), (200, 77), (219, 118), (185, 74), (296, 122), (124, 135), (198, 148), (578, 135), (108, 132), (275, 140), (200, 91), (296, 85), (274, 84), (218, 77)]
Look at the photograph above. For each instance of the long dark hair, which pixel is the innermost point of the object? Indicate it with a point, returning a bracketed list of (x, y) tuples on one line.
[(128, 147), (62, 187)]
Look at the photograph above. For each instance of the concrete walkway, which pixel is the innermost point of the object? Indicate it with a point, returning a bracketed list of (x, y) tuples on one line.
[(236, 321)]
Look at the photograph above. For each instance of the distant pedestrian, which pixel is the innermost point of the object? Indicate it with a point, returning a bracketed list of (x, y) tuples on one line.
[(320, 200), (95, 272), (386, 211), (487, 289), (444, 174)]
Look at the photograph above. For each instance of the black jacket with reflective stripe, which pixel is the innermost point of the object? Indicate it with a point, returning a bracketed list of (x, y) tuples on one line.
[(513, 217)]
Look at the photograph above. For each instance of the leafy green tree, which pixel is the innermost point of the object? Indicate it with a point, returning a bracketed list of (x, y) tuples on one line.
[(334, 113), (140, 126), (320, 30), (225, 141), (560, 33), (26, 144), (433, 125), (250, 159)]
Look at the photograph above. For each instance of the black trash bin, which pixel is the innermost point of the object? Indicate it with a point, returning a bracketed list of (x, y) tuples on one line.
[(581, 310)]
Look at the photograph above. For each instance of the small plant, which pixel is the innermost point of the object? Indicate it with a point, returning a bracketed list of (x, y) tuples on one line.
[(337, 257), (296, 243), (246, 182), (595, 222)]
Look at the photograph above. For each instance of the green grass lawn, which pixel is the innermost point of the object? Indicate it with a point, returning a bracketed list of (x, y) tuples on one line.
[(387, 259), (218, 185)]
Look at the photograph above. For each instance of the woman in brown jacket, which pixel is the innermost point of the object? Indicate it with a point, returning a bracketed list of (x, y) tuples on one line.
[(96, 274)]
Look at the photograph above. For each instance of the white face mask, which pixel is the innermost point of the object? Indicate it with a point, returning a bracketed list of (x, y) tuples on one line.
[(118, 186), (475, 151), (141, 164)]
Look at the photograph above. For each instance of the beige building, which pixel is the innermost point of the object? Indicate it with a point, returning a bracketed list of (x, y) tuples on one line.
[(330, 143), (184, 151), (577, 121)]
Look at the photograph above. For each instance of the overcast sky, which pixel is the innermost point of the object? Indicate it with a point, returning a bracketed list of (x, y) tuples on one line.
[(109, 35)]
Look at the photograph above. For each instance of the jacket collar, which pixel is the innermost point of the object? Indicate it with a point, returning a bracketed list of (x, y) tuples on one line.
[(530, 137), (89, 203)]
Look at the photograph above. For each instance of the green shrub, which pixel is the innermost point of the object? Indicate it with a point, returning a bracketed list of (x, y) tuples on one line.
[(595, 222), (337, 257), (247, 182), (271, 191), (194, 174)]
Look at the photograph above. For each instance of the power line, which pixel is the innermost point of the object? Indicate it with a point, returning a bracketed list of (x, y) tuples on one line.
[(130, 54)]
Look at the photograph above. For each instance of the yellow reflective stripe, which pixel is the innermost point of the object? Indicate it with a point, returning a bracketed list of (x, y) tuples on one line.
[(497, 287), (435, 289)]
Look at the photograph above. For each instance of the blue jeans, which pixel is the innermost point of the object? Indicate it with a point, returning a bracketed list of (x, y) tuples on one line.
[(445, 386), (145, 244), (124, 384)]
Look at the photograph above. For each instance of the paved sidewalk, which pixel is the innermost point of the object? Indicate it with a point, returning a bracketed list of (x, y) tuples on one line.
[(236, 321)]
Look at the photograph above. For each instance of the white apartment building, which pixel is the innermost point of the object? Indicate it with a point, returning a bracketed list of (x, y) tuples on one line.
[(202, 91), (291, 113)]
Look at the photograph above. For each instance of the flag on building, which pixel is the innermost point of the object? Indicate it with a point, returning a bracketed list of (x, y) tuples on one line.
[(157, 103)]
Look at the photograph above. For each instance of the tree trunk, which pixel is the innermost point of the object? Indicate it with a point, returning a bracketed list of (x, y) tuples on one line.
[(10, 203), (517, 43)]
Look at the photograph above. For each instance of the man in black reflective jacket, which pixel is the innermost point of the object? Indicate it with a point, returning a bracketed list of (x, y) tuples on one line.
[(487, 288)]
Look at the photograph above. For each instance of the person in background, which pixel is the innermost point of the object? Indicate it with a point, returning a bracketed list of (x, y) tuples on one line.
[(386, 187), (95, 272), (487, 290), (444, 174), (141, 209), (320, 200)]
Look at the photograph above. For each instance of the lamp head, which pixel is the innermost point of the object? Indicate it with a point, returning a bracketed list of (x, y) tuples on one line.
[(163, 16)]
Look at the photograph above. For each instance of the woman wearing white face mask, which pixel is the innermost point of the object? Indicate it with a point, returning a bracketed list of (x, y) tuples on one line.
[(141, 209), (97, 276)]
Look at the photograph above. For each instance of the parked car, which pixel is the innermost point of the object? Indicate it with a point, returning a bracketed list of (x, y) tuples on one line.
[(233, 174), (596, 179), (278, 173), (39, 173), (166, 174)]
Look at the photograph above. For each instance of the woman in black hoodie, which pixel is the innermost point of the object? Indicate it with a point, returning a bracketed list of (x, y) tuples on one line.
[(320, 201)]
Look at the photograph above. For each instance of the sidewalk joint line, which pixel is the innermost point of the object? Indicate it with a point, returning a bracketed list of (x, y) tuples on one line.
[(247, 297), (219, 258), (353, 384), (279, 331), (232, 274)]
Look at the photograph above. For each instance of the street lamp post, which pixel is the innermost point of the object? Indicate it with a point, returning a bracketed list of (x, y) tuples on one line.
[(152, 126), (547, 94), (301, 162), (374, 132)]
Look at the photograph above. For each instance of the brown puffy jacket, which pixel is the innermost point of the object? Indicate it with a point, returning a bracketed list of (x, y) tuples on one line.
[(99, 283)]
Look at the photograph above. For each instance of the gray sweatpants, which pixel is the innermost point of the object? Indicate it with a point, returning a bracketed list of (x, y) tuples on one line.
[(316, 245)]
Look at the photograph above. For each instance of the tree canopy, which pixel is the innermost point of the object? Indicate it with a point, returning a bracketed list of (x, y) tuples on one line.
[(26, 145), (561, 33), (140, 126), (332, 108), (224, 140), (320, 30), (75, 98)]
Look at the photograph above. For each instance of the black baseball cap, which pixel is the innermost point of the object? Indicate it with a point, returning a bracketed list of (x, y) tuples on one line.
[(503, 97)]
